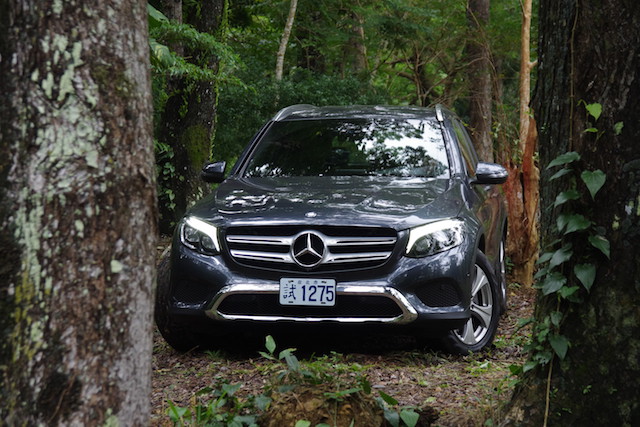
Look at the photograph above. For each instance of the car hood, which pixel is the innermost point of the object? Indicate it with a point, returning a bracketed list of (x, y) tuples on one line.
[(400, 203)]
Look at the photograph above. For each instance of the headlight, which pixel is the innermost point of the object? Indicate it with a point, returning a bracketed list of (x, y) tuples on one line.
[(435, 237), (199, 235)]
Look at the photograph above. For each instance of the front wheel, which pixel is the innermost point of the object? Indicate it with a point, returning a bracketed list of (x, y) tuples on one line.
[(478, 332)]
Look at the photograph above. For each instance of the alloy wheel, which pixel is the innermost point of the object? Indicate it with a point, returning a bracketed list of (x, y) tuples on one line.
[(482, 311)]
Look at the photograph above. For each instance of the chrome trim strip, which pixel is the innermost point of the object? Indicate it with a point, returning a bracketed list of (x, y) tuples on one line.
[(261, 240), (358, 241), (262, 256), (329, 259), (409, 314), (357, 257), (329, 241)]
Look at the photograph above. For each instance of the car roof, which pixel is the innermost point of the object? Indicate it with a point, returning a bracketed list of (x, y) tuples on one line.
[(311, 112)]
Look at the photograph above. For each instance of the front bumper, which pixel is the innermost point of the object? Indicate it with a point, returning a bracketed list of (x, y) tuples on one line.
[(428, 293)]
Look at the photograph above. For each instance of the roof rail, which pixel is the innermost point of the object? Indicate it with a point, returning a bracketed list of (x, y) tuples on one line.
[(439, 114), (287, 111)]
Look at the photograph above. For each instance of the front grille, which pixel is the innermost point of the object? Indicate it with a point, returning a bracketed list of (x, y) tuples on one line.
[(348, 306), (332, 248)]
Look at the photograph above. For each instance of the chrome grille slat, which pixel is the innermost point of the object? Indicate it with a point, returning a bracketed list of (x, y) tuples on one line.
[(261, 240), (262, 256), (362, 257), (344, 248), (359, 241)]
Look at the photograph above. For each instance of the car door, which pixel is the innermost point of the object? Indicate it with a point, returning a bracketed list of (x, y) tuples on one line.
[(484, 200)]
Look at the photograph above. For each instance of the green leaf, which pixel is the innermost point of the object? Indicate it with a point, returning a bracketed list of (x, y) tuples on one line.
[(561, 222), (594, 181), (562, 172), (270, 344), (586, 274), (595, 110), (566, 196), (155, 16), (556, 317), (544, 257), (291, 359), (303, 423), (410, 417), (563, 159), (177, 413), (230, 389), (366, 386), (262, 402), (561, 255), (515, 369), (161, 53), (577, 223), (560, 345), (591, 130), (566, 291), (529, 366), (601, 243), (392, 417), (553, 282), (388, 399), (617, 128)]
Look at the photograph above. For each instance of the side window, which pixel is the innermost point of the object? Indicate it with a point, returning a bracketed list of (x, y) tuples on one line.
[(466, 147)]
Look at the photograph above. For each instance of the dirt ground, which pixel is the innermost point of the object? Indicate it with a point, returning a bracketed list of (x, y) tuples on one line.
[(460, 391)]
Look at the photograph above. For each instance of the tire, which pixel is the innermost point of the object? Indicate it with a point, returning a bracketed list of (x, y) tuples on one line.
[(176, 334), (478, 333)]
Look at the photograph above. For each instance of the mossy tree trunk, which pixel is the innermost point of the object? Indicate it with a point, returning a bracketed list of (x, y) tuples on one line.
[(77, 213), (590, 53), (188, 120)]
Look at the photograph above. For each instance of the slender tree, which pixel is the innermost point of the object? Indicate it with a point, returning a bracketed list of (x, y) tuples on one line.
[(77, 213), (522, 187), (284, 40), (479, 71), (586, 349)]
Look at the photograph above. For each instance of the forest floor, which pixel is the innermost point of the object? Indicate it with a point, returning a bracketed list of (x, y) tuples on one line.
[(457, 390)]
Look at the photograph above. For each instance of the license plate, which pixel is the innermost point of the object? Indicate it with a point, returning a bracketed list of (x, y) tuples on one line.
[(316, 292)]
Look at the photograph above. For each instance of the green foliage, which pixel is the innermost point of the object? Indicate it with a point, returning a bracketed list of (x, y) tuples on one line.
[(220, 406), (242, 110), (580, 243), (166, 172)]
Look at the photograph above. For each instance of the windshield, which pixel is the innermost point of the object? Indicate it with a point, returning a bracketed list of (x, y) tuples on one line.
[(345, 147)]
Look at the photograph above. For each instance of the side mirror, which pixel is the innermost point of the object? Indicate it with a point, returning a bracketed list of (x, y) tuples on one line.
[(213, 172), (490, 173)]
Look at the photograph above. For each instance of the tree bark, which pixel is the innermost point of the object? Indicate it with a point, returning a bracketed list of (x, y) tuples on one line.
[(77, 213), (583, 61), (479, 79), (522, 186)]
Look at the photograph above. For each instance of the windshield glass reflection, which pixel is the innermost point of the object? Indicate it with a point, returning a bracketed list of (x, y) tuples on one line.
[(366, 147)]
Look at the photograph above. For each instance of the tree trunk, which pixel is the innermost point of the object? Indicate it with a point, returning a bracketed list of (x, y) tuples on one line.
[(522, 185), (357, 48), (284, 41), (173, 10), (479, 79), (77, 213), (188, 121), (583, 62)]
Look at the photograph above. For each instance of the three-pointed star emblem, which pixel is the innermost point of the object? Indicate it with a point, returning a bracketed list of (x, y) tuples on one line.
[(308, 249)]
